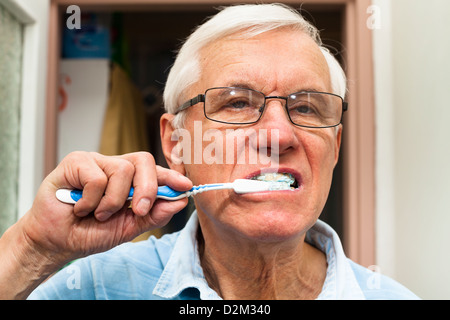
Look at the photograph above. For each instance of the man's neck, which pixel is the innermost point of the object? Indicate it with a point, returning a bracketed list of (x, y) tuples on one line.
[(240, 270)]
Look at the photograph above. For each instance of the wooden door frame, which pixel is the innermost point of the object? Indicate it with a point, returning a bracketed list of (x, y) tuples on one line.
[(359, 129)]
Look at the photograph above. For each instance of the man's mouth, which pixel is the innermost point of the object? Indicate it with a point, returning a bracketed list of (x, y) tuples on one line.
[(284, 180)]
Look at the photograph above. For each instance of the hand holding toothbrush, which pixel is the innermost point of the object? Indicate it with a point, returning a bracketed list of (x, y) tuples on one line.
[(52, 233), (107, 181)]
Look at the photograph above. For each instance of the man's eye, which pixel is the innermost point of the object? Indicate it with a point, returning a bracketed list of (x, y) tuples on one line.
[(304, 109), (240, 104)]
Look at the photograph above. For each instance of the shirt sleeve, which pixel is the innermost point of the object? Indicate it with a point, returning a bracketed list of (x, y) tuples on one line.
[(127, 272), (73, 282)]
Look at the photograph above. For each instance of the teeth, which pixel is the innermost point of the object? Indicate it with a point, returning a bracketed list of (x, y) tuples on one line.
[(282, 180)]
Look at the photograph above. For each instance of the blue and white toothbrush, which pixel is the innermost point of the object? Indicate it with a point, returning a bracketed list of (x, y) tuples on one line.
[(239, 186)]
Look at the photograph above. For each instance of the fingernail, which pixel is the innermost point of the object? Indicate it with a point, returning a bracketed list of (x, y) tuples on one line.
[(144, 206)]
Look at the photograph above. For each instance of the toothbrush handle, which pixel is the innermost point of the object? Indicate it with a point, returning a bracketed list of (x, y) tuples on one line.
[(165, 192), (71, 196)]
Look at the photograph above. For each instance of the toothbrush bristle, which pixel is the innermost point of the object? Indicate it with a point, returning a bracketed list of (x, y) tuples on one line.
[(276, 186)]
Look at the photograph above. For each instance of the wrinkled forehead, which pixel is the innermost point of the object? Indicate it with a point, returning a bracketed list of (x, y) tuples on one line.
[(285, 59)]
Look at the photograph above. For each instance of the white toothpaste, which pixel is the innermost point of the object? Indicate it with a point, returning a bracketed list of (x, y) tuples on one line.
[(280, 181)]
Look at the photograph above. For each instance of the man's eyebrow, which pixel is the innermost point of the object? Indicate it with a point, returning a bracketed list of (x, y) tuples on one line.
[(309, 90), (247, 85), (241, 85)]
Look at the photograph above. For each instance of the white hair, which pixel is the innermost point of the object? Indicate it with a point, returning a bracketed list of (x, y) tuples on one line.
[(250, 20)]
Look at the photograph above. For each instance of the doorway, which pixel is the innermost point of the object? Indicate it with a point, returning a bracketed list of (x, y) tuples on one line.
[(356, 170), (152, 37)]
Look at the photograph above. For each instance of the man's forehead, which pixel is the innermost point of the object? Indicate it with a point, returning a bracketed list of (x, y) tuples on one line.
[(285, 54)]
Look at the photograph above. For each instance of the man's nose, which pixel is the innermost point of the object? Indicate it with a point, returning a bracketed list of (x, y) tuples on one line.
[(276, 120), (274, 112)]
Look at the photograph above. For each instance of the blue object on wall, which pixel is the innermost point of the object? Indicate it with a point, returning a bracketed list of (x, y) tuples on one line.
[(92, 40)]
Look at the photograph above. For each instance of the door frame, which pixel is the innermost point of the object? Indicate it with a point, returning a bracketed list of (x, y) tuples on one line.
[(32, 99), (359, 129)]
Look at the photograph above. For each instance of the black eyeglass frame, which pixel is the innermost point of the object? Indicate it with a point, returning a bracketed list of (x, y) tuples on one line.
[(202, 98)]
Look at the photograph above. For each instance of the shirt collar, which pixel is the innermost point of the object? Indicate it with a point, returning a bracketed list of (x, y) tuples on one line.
[(183, 269), (340, 282)]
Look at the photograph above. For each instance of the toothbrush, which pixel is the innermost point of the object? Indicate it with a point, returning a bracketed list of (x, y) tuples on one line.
[(240, 186)]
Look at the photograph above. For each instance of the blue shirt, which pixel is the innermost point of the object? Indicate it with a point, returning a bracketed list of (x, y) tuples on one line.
[(169, 268)]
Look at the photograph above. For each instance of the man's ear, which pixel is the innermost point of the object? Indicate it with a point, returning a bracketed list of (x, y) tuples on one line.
[(169, 143)]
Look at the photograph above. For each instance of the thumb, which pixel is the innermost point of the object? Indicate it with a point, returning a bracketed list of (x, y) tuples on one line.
[(162, 211)]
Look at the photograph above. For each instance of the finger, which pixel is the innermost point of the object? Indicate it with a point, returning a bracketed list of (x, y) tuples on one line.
[(162, 211), (145, 182), (173, 179), (160, 214), (147, 178), (80, 171), (120, 175), (93, 181)]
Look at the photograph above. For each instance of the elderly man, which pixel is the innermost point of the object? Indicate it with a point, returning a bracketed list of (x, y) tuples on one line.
[(258, 68)]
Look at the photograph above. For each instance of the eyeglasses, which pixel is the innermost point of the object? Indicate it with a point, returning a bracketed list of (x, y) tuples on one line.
[(233, 105)]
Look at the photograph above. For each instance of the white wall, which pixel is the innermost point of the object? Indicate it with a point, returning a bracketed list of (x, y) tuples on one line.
[(413, 154)]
